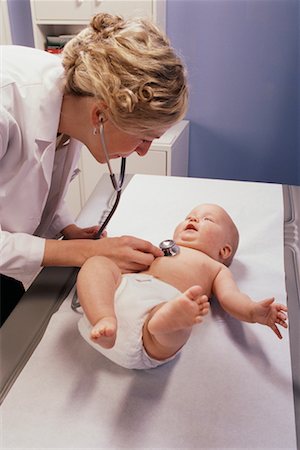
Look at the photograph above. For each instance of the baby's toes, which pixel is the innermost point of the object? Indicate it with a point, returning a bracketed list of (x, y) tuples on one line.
[(95, 333), (203, 309), (194, 293), (201, 300), (198, 319)]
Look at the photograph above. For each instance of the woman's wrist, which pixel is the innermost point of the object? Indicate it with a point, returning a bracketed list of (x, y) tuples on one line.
[(68, 253)]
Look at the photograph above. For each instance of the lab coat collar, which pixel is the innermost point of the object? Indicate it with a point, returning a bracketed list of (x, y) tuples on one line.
[(45, 153)]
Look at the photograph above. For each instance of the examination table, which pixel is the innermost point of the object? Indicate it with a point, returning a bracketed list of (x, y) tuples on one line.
[(235, 385)]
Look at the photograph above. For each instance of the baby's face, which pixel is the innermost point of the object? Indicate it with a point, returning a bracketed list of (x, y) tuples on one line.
[(206, 228)]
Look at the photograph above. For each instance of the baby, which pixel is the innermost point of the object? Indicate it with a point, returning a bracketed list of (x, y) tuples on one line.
[(143, 320)]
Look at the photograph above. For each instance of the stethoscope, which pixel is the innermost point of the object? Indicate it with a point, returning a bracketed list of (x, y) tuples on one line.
[(117, 185), (168, 246)]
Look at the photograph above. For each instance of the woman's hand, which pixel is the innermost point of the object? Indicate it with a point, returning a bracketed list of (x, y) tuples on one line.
[(75, 232), (131, 254)]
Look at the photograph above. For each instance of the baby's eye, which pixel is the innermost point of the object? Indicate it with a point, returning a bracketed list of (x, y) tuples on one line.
[(208, 218)]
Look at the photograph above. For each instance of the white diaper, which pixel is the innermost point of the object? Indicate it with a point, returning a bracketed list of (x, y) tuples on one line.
[(136, 295)]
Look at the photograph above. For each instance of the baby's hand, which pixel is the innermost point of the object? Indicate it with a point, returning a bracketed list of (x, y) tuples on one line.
[(269, 313)]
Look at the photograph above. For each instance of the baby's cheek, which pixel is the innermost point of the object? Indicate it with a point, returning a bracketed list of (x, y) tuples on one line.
[(176, 232)]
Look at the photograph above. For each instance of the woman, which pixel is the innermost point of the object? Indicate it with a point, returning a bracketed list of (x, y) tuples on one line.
[(123, 74)]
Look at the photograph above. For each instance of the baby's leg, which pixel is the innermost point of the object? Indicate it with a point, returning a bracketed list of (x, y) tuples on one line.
[(169, 325), (97, 282)]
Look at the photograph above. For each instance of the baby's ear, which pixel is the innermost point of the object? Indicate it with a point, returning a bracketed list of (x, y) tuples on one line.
[(225, 252)]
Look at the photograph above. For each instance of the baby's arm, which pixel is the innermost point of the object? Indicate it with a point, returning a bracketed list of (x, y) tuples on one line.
[(240, 305)]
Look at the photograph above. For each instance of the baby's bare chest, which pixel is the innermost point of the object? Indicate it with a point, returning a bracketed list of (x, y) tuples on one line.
[(185, 270)]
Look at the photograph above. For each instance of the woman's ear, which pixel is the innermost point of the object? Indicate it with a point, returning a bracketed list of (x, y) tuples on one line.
[(99, 113)]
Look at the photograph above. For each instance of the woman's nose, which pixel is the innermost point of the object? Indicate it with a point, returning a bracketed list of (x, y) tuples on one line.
[(143, 148)]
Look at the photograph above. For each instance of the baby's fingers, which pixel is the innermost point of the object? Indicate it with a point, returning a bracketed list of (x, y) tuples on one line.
[(281, 307), (276, 331), (282, 323), (281, 316)]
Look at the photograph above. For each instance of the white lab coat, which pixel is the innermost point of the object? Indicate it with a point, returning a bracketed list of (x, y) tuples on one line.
[(33, 176)]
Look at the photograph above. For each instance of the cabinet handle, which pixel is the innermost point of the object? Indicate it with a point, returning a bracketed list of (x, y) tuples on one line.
[(79, 2), (97, 2)]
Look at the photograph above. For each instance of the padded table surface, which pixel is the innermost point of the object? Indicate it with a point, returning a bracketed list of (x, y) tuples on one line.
[(31, 316)]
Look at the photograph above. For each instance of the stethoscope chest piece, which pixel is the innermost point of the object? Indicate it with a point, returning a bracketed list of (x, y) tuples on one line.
[(169, 247)]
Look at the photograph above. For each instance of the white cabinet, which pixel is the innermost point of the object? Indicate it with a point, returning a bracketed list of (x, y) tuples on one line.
[(5, 35), (82, 10), (167, 155), (55, 17)]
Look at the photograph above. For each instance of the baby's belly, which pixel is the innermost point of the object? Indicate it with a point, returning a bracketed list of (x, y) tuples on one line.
[(180, 276)]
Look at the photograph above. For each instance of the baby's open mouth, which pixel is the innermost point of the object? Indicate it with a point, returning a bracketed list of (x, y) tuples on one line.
[(191, 226)]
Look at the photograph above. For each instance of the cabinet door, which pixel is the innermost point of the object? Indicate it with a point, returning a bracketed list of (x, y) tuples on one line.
[(63, 10), (82, 10), (154, 163), (126, 8)]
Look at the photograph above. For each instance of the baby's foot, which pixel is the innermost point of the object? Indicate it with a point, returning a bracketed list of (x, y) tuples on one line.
[(104, 332), (181, 313)]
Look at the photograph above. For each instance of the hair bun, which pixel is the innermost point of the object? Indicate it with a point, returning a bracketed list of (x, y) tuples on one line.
[(105, 24)]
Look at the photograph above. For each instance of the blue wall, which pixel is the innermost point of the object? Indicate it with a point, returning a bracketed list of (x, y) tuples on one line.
[(243, 59)]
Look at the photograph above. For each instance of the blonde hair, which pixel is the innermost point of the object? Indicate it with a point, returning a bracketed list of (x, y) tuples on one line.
[(131, 67)]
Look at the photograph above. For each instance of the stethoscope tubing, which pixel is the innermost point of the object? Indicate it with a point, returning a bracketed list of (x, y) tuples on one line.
[(117, 185), (118, 196)]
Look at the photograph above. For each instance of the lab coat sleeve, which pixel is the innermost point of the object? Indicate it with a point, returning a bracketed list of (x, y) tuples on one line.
[(4, 131), (62, 218), (21, 255)]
